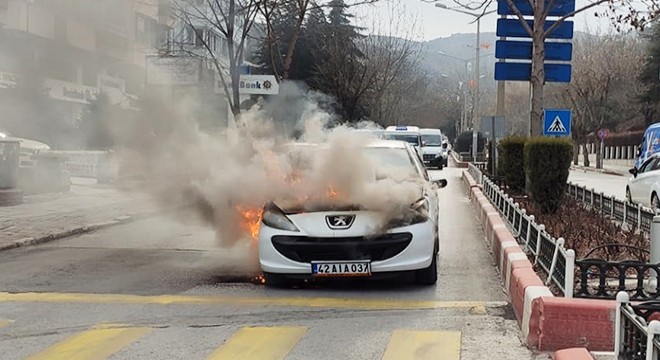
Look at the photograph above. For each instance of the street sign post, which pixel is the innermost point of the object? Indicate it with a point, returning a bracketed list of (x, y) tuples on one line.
[(513, 28), (523, 72), (510, 26), (559, 7), (522, 50), (494, 128), (556, 122)]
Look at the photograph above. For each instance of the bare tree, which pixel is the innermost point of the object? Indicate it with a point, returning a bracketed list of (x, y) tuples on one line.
[(632, 12), (604, 86), (208, 23)]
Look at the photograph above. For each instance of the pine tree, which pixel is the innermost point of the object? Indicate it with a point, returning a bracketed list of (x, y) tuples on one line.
[(650, 76)]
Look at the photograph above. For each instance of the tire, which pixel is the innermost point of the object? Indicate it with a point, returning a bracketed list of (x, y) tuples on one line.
[(276, 280), (429, 275), (655, 202)]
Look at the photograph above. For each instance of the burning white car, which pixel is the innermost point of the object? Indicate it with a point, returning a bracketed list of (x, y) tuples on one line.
[(342, 235)]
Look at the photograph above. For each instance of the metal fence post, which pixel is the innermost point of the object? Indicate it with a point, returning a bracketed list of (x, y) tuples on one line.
[(523, 212), (592, 198), (622, 299), (553, 264), (652, 330), (655, 245), (602, 196), (639, 216), (625, 212), (538, 243), (529, 230), (569, 275), (612, 207)]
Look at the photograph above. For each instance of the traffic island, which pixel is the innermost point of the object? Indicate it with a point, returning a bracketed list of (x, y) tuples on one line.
[(548, 323)]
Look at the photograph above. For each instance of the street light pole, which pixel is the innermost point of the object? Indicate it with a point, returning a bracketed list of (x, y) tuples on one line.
[(475, 112), (475, 120)]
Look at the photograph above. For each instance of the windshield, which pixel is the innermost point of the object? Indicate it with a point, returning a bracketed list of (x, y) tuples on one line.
[(411, 138), (390, 157), (431, 140)]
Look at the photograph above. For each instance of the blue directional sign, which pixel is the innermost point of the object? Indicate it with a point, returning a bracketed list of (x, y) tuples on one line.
[(514, 28), (559, 7), (522, 50), (556, 122), (511, 71)]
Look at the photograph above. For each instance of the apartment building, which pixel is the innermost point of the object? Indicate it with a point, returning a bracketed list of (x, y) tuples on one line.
[(71, 50)]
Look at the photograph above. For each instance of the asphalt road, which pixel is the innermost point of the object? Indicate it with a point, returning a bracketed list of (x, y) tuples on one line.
[(161, 289), (612, 185)]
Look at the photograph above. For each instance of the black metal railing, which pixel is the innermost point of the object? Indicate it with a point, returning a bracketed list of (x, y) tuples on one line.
[(637, 333), (602, 279)]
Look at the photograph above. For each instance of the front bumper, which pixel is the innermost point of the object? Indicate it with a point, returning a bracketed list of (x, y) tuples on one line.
[(398, 255)]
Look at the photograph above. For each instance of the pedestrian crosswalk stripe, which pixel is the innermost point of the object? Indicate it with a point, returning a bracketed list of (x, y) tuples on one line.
[(98, 343), (264, 343), (4, 322), (313, 302), (423, 345)]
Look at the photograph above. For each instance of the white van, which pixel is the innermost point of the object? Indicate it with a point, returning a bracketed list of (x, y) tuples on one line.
[(408, 134), (434, 148)]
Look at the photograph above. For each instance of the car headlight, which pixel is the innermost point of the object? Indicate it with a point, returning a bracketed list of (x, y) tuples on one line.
[(418, 213), (274, 217)]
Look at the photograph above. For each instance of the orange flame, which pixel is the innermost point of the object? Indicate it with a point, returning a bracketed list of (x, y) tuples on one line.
[(332, 192), (250, 220)]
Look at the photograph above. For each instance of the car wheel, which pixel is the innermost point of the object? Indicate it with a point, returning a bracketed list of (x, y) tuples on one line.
[(655, 202), (628, 195), (276, 280), (429, 275)]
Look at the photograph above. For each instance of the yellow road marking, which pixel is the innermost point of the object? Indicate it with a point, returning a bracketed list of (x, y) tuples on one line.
[(4, 322), (272, 343), (98, 343), (423, 345), (316, 302)]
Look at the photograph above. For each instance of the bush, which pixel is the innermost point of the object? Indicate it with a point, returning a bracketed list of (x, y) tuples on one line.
[(511, 162), (464, 142), (547, 162)]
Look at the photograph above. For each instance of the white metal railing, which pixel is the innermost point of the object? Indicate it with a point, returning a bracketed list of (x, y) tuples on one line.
[(548, 253), (635, 337)]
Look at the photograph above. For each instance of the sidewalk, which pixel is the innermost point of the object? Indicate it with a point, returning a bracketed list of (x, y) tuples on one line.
[(612, 169), (87, 207)]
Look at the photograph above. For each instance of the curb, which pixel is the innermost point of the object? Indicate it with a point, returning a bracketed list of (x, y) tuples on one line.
[(600, 171), (547, 322), (78, 230), (573, 354)]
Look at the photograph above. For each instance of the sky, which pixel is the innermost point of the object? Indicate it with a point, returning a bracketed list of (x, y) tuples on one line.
[(432, 22)]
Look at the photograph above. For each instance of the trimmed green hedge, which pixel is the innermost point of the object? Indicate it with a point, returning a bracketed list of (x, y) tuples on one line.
[(547, 163), (464, 142), (511, 162)]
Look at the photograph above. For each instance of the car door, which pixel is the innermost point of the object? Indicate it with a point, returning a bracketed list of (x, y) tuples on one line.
[(640, 185), (651, 178)]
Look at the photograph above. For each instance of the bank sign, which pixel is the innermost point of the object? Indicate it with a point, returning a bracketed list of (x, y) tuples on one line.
[(258, 85)]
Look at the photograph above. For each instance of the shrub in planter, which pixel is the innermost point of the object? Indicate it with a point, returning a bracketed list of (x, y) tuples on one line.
[(547, 162), (464, 142), (511, 162)]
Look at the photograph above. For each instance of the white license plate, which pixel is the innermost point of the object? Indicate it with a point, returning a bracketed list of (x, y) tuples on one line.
[(341, 268)]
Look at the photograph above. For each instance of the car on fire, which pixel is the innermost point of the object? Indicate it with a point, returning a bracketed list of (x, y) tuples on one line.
[(353, 241)]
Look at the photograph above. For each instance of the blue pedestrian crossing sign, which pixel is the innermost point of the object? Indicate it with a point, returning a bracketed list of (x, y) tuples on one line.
[(556, 122)]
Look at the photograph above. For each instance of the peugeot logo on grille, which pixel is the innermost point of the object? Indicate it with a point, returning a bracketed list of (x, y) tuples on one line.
[(339, 221)]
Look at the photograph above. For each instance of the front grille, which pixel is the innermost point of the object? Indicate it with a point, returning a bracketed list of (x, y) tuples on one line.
[(429, 157), (308, 249)]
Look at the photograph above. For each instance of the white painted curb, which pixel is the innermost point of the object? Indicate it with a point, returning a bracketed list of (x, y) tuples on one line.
[(505, 245), (511, 258), (531, 293)]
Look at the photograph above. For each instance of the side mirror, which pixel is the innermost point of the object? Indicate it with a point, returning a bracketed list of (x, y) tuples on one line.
[(423, 143), (633, 171), (440, 183)]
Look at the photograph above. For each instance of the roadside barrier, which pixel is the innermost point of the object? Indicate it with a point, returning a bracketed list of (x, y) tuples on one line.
[(635, 217), (637, 330)]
